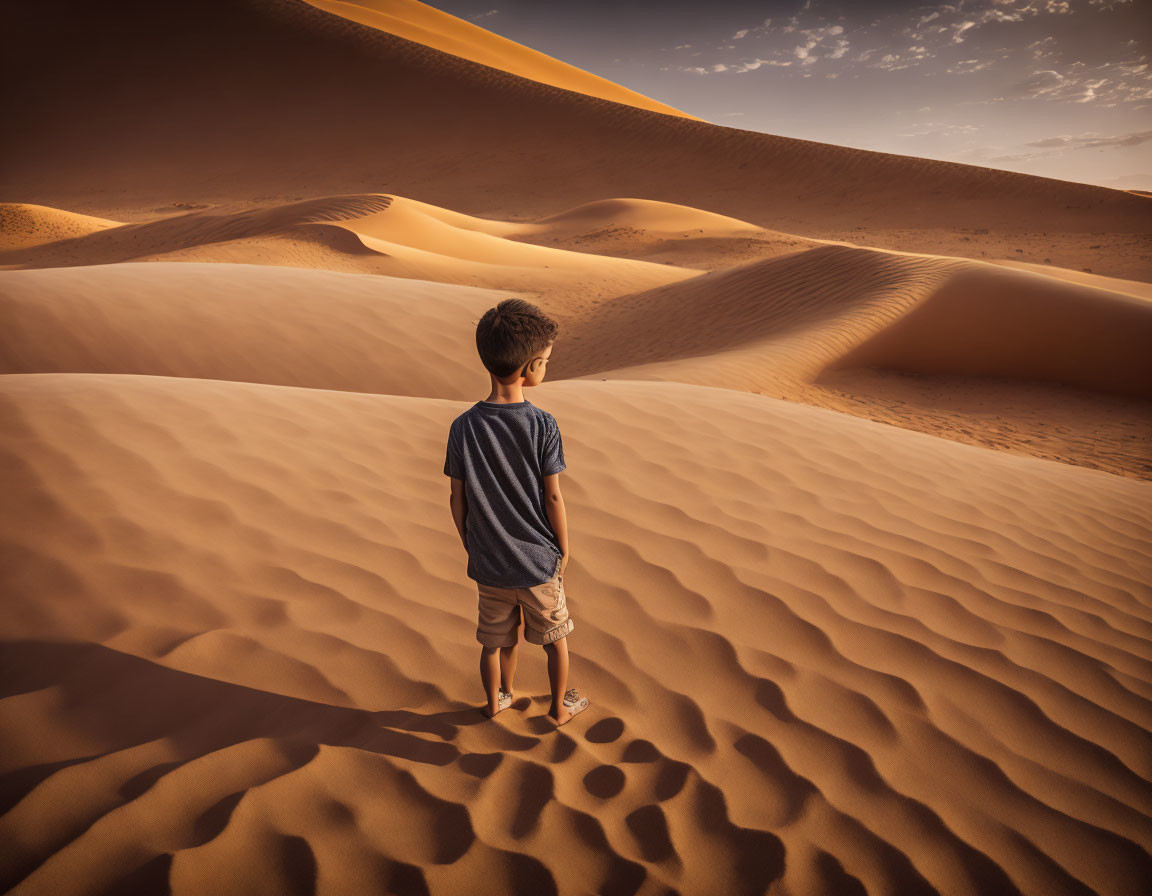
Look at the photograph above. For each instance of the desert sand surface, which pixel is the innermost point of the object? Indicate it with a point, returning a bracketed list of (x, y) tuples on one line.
[(859, 484), (826, 655)]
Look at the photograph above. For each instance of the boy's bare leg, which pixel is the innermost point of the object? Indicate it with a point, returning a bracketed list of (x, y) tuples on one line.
[(508, 657), (558, 678), (490, 676)]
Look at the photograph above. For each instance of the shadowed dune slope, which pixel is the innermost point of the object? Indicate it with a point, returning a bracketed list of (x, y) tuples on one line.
[(989, 322), (792, 318), (848, 658), (288, 98)]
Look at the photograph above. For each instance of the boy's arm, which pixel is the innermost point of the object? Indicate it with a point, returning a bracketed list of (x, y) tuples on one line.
[(458, 501), (554, 505)]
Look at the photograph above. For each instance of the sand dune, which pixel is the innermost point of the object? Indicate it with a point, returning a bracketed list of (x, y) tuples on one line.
[(396, 221), (367, 233), (802, 314), (660, 232), (988, 322), (422, 24), (24, 227), (254, 124), (973, 352), (967, 351), (1115, 284), (352, 332), (854, 657), (798, 315)]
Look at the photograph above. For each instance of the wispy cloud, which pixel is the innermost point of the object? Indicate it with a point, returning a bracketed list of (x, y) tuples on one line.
[(1057, 146), (940, 129), (1108, 84), (1093, 141), (483, 15), (901, 40)]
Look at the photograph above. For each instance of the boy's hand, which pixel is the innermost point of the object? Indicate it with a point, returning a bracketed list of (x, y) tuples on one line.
[(563, 563)]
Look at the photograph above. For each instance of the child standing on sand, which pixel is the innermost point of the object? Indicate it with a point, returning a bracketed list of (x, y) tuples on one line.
[(504, 458)]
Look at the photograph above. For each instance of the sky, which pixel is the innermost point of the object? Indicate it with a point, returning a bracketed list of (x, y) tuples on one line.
[(1058, 88)]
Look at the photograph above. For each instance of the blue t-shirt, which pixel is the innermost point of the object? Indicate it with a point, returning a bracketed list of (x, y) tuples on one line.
[(503, 452)]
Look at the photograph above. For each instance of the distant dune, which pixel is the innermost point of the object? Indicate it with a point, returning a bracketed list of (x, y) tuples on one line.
[(293, 102), (24, 227)]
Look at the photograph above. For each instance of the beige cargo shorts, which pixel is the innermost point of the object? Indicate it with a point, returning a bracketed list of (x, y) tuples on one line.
[(544, 608)]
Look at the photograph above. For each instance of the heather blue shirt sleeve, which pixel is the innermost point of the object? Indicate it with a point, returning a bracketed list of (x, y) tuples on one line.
[(552, 454), (453, 463)]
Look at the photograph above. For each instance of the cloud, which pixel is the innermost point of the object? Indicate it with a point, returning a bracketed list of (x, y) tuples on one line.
[(1038, 84), (1109, 84), (930, 35), (969, 66), (940, 129), (1093, 141), (1057, 146), (736, 68), (484, 15)]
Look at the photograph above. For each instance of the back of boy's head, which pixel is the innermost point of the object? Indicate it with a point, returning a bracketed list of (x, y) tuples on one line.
[(511, 334)]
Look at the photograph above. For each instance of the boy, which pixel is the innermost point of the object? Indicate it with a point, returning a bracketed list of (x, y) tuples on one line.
[(504, 458)]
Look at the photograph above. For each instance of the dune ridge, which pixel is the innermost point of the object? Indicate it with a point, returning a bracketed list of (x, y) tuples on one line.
[(369, 234), (930, 684), (423, 24)]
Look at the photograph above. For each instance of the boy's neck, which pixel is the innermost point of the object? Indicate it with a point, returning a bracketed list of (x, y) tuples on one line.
[(506, 394)]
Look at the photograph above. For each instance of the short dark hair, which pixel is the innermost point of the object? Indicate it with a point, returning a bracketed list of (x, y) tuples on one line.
[(511, 334)]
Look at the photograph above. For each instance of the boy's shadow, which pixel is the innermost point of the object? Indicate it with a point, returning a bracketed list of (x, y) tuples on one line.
[(124, 701), (446, 724)]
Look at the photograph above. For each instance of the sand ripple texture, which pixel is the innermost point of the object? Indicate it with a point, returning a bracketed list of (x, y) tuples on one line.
[(825, 655)]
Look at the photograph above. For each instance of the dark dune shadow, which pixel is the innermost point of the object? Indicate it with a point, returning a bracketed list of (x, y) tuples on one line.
[(132, 700), (123, 701)]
